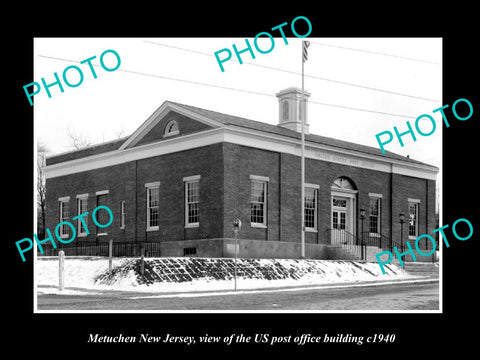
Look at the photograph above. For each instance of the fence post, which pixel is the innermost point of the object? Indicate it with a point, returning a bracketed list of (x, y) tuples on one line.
[(110, 255), (142, 264), (61, 270)]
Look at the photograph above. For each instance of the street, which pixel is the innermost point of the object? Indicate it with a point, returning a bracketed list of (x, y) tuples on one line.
[(406, 296)]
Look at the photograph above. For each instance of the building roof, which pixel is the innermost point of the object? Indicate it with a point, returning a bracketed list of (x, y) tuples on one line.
[(275, 129), (231, 120)]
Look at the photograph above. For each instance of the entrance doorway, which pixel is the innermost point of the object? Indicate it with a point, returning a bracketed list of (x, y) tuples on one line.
[(343, 217)]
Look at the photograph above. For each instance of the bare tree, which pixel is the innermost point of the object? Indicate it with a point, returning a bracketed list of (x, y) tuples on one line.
[(78, 140), (41, 189), (119, 133)]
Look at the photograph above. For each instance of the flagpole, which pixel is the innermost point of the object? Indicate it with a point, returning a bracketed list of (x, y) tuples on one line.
[(303, 165)]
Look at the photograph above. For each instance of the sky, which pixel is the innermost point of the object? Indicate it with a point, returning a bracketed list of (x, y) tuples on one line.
[(359, 86)]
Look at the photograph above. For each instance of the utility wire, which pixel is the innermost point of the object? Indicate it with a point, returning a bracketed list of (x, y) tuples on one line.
[(230, 88), (298, 73), (375, 52)]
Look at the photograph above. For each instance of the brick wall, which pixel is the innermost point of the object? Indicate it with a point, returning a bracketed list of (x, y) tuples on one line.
[(284, 189), (225, 171), (126, 182), (241, 162)]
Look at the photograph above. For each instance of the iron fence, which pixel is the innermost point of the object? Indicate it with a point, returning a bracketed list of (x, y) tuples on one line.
[(93, 248)]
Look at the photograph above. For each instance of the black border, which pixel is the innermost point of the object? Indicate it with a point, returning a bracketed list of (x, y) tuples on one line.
[(426, 333)]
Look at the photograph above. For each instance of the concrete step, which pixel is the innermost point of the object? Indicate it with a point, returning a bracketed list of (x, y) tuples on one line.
[(339, 252), (422, 268)]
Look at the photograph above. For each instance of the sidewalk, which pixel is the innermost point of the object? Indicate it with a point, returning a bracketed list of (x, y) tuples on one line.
[(78, 291)]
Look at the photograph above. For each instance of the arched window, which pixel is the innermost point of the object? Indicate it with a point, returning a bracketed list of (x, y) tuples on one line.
[(171, 128), (285, 110)]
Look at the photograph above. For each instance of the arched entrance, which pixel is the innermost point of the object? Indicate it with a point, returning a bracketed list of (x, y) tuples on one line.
[(343, 215)]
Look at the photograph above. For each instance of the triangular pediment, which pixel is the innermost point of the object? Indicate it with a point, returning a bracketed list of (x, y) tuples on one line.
[(169, 121)]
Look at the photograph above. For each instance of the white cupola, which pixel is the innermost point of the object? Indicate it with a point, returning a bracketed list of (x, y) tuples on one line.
[(292, 105)]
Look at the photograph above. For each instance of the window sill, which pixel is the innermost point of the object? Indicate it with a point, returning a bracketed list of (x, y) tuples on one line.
[(257, 225), (193, 225), (82, 235), (155, 228), (102, 234), (312, 230)]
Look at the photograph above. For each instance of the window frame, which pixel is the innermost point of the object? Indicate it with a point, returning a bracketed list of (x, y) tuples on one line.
[(149, 187), (81, 210), (377, 197), (100, 231), (416, 203), (62, 217), (264, 181), (122, 214), (187, 181), (167, 133), (315, 188)]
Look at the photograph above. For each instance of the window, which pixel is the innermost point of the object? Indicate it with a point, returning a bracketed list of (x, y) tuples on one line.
[(153, 201), (413, 218), (63, 207), (285, 116), (192, 198), (258, 201), (339, 202), (189, 251), (171, 128), (302, 109), (339, 223), (122, 215), (102, 216), (375, 208), (82, 208), (310, 208)]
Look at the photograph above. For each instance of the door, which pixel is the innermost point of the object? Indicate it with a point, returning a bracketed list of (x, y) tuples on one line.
[(340, 220)]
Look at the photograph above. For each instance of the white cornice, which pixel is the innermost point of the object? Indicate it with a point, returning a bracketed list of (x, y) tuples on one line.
[(245, 137)]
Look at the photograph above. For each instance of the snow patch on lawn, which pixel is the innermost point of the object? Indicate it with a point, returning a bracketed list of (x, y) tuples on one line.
[(163, 275)]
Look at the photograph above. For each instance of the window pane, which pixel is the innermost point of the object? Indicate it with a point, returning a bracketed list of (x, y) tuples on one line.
[(82, 208), (153, 217), (153, 201), (413, 219), (374, 215), (192, 202), (258, 191), (342, 221), (64, 214), (102, 215), (339, 202), (310, 207), (257, 205)]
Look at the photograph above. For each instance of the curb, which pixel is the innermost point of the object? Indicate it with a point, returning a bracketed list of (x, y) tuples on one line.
[(132, 294), (289, 288)]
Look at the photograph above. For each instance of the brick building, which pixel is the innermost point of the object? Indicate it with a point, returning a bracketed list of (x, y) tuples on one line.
[(181, 178)]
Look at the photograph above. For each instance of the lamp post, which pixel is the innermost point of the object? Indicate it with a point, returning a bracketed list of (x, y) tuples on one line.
[(402, 220), (362, 217), (236, 225)]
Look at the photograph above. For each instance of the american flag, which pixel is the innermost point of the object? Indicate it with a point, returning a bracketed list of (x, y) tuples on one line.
[(305, 46)]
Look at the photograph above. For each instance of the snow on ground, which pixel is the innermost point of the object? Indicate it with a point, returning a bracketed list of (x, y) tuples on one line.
[(88, 275)]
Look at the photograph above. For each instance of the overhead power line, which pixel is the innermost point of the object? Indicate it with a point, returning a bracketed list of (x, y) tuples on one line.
[(230, 88), (375, 52), (299, 73)]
